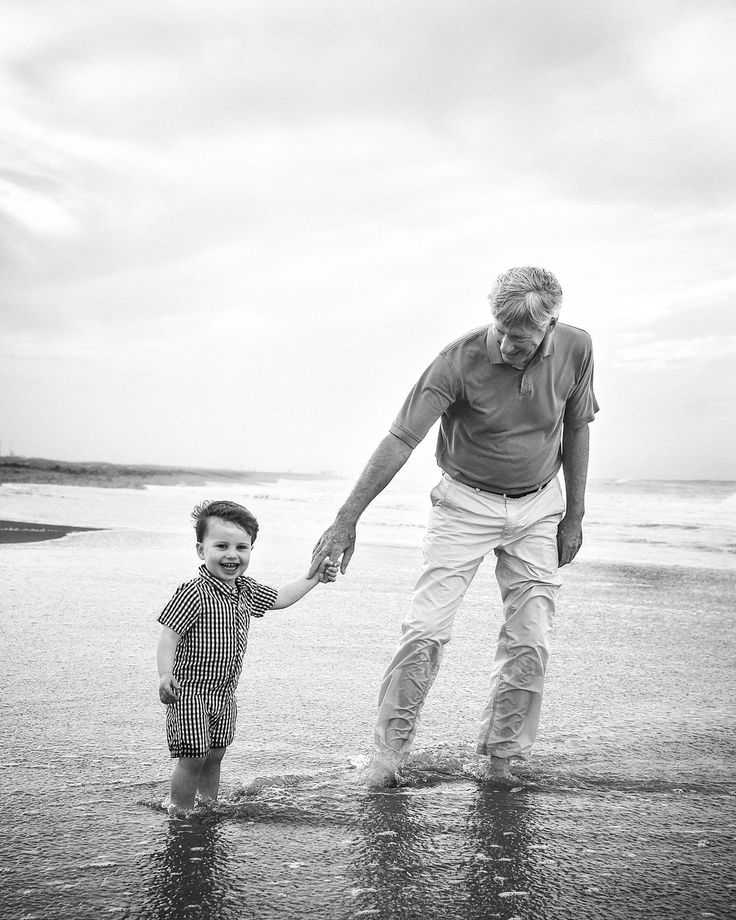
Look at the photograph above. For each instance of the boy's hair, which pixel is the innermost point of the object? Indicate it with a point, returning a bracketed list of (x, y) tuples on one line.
[(228, 511)]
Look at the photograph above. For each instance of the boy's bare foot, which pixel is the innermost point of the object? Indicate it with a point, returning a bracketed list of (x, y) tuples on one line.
[(174, 811)]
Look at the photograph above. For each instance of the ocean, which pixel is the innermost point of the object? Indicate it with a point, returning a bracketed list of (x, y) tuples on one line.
[(625, 810)]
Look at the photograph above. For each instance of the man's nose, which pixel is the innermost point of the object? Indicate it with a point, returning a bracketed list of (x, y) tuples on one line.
[(507, 348)]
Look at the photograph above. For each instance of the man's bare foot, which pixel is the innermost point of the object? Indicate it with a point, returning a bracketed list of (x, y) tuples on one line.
[(498, 772), (500, 768), (380, 773)]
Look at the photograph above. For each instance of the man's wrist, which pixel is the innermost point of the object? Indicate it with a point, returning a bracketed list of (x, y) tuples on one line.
[(575, 512), (347, 517)]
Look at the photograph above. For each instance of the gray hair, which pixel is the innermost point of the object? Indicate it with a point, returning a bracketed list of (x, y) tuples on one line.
[(526, 296)]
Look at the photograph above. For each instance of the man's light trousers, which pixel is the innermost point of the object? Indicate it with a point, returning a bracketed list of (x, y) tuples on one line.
[(464, 526)]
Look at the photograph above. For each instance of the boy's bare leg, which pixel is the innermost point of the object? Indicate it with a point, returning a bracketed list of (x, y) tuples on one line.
[(209, 780), (184, 782)]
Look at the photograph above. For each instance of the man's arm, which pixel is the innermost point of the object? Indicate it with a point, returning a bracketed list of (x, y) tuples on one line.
[(338, 541), (575, 451)]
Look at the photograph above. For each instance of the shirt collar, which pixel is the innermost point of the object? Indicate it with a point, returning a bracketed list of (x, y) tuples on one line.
[(208, 577), (545, 349)]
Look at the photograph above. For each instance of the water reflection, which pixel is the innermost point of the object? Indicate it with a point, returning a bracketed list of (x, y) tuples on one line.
[(391, 859), (424, 856), (500, 872), (183, 878)]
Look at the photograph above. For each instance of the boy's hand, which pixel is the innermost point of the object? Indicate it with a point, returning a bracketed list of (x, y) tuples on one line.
[(327, 571), (168, 689)]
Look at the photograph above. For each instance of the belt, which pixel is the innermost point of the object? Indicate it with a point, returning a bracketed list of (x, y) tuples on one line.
[(515, 494)]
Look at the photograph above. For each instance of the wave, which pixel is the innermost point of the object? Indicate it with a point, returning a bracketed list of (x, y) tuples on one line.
[(713, 548), (330, 796), (669, 526)]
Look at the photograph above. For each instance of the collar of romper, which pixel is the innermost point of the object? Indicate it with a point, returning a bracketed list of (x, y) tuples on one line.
[(210, 579)]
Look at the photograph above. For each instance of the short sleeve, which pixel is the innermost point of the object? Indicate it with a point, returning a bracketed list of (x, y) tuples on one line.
[(259, 598), (581, 405), (435, 390), (183, 609)]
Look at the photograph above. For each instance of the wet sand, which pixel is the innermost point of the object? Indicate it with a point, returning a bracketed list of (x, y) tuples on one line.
[(626, 810), (27, 532)]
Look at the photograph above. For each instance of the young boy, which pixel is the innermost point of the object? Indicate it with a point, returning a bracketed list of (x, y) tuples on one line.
[(203, 639)]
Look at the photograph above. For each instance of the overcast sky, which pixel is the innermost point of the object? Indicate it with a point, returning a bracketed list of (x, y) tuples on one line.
[(235, 231)]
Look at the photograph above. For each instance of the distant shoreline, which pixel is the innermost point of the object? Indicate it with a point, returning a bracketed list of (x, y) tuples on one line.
[(36, 470)]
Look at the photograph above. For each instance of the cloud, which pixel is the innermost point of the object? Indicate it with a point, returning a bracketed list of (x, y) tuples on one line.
[(35, 209), (704, 350), (332, 186), (604, 100)]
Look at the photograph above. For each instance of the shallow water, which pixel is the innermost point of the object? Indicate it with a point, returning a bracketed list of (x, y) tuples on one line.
[(446, 847), (626, 809)]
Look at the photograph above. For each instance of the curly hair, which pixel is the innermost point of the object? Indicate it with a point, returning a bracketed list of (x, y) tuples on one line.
[(227, 511)]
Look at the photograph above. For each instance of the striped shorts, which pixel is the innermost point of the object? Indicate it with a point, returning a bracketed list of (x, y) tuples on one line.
[(200, 721)]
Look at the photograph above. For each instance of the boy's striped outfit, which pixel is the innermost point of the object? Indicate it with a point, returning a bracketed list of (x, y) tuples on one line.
[(212, 618)]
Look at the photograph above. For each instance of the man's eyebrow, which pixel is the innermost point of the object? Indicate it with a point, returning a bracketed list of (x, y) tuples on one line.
[(514, 333)]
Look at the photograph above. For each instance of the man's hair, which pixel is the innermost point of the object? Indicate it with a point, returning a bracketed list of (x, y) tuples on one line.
[(526, 296), (228, 511)]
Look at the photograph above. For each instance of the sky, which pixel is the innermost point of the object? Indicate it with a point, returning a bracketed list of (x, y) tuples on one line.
[(234, 232)]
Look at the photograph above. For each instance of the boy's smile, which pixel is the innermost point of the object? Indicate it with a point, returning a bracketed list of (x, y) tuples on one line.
[(225, 549)]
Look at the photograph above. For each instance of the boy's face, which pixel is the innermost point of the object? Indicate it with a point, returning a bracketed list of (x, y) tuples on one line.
[(225, 549)]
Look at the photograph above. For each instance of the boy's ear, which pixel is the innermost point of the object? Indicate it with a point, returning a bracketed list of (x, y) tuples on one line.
[(200, 550)]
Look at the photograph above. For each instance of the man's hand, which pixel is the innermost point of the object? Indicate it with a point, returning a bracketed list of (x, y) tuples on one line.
[(336, 542), (569, 539), (168, 689)]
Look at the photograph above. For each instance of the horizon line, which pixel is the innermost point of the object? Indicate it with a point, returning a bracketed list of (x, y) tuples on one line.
[(324, 474)]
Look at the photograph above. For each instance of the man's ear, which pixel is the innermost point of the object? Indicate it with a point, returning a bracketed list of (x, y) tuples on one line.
[(200, 550)]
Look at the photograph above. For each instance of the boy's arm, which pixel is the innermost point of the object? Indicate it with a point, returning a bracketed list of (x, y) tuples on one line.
[(168, 685), (296, 590)]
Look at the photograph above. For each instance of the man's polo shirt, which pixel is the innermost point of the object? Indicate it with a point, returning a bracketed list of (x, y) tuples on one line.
[(501, 428), (212, 619)]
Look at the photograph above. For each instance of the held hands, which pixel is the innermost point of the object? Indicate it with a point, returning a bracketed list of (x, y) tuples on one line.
[(569, 539), (337, 541), (327, 571), (168, 689)]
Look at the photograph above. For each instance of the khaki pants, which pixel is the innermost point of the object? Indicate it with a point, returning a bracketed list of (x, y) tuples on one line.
[(464, 526)]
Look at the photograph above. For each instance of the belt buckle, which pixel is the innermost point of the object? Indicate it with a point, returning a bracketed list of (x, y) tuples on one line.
[(525, 494)]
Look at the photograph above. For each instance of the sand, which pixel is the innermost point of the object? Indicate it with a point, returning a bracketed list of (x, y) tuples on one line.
[(28, 532)]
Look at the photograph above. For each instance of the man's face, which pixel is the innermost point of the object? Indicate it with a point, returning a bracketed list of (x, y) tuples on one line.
[(225, 549), (518, 344)]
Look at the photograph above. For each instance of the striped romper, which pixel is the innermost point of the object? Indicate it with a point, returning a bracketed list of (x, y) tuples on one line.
[(212, 619)]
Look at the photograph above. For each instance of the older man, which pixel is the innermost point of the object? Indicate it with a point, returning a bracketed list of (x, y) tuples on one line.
[(514, 401)]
